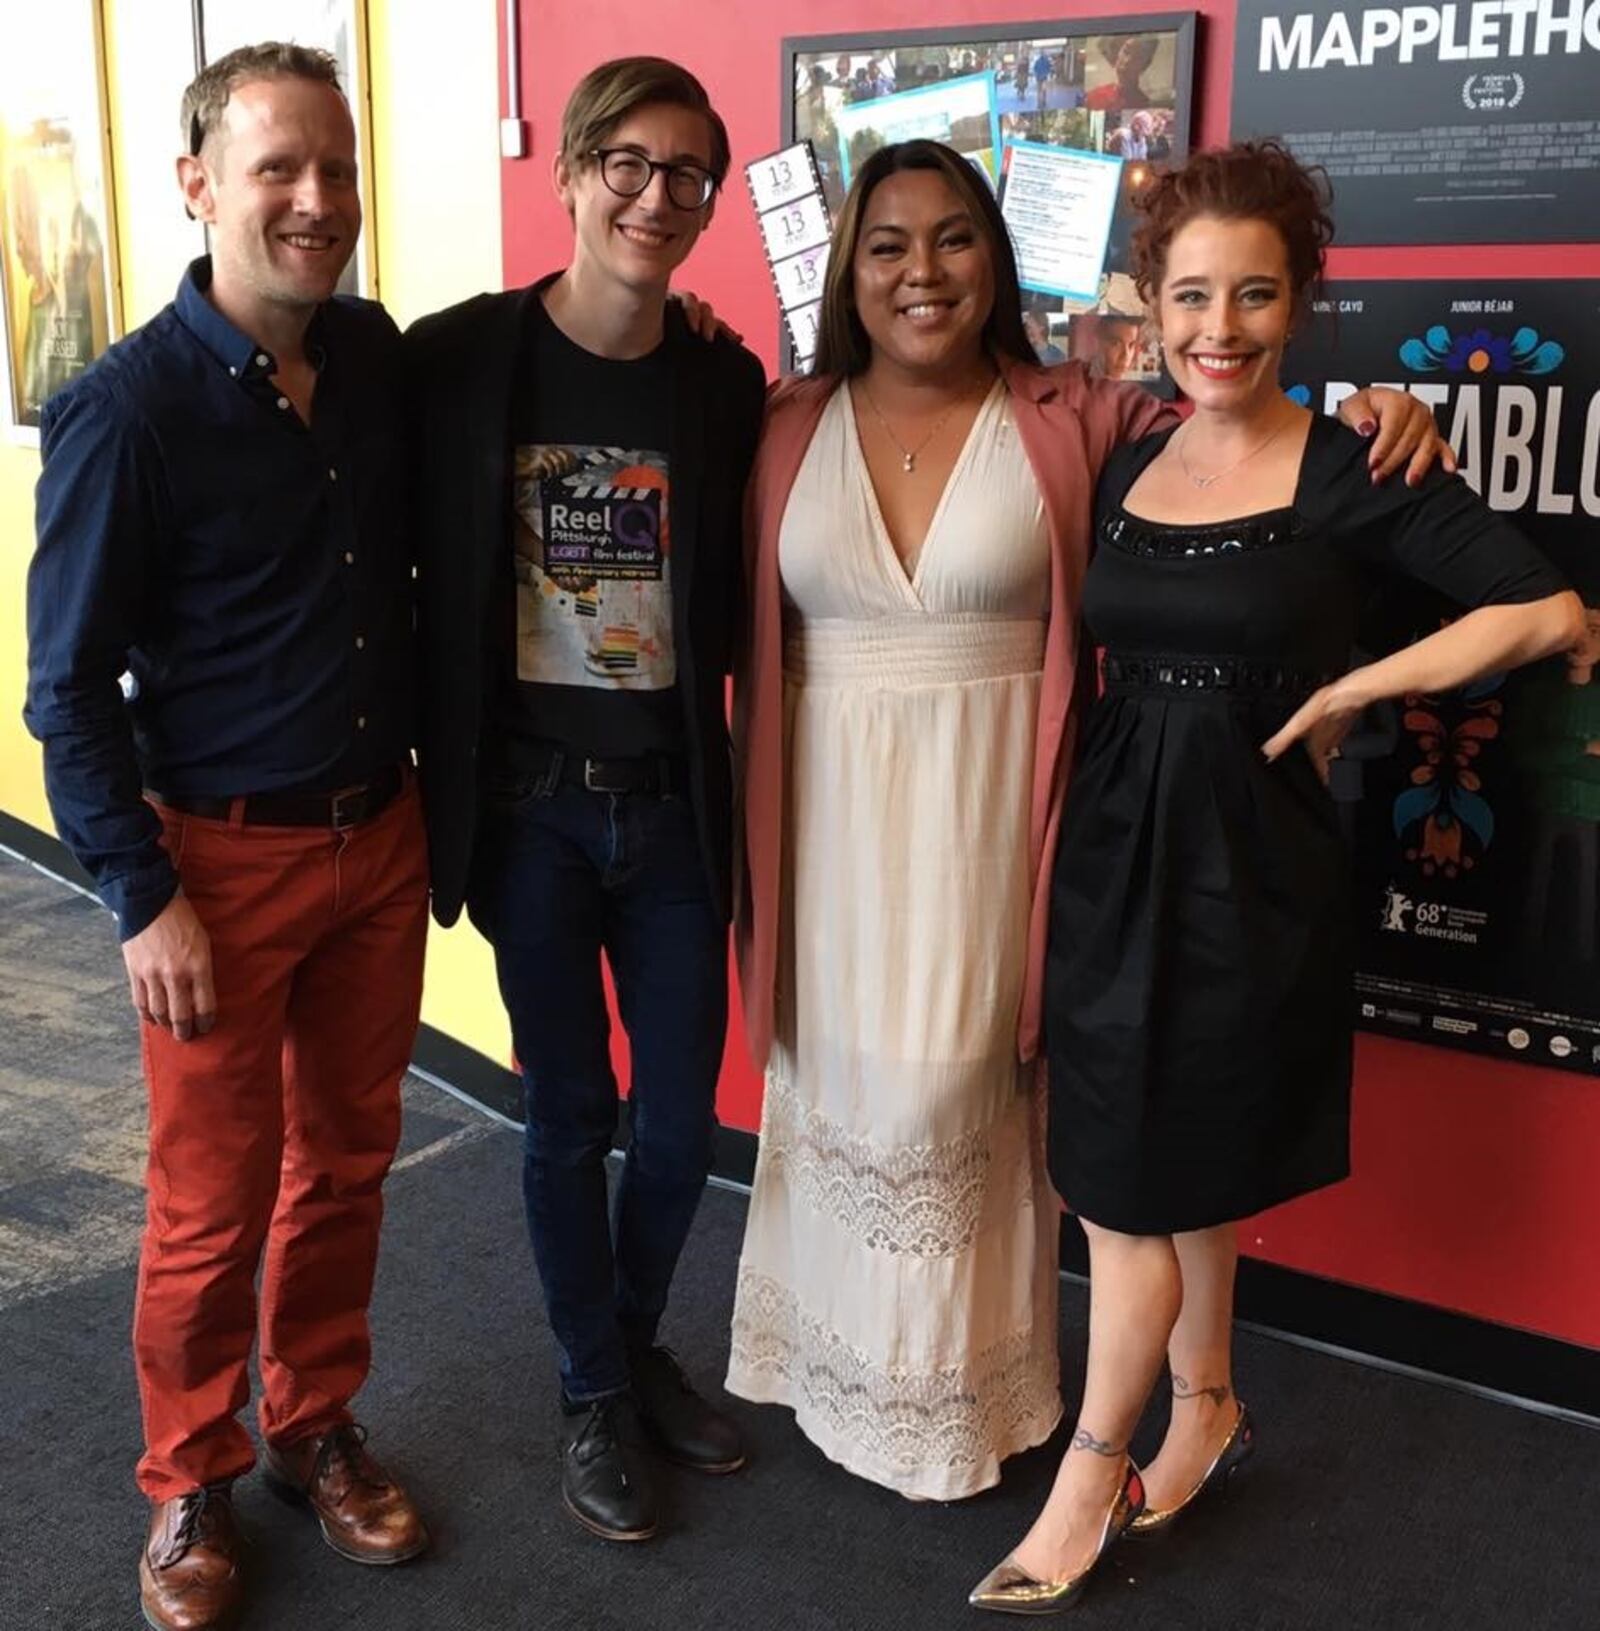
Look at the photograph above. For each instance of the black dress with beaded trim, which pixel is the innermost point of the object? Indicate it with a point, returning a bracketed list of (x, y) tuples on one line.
[(1198, 982)]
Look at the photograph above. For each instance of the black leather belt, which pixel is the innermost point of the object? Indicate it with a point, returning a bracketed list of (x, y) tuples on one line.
[(658, 773), (348, 807)]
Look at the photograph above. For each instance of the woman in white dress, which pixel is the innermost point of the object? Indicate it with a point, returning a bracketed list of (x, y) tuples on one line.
[(921, 511)]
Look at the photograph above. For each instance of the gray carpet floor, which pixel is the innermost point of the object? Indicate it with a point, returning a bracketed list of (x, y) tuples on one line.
[(1375, 1501)]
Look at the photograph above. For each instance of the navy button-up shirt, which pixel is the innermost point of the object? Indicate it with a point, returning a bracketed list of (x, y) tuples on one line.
[(249, 573)]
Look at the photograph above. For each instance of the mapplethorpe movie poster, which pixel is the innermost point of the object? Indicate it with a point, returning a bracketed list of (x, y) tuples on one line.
[(1471, 122), (1476, 815)]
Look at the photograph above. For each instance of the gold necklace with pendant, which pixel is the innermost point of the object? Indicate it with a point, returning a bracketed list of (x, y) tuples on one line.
[(908, 455)]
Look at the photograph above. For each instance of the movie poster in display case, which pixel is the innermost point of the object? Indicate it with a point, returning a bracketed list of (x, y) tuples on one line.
[(58, 286), (1065, 121), (1476, 814)]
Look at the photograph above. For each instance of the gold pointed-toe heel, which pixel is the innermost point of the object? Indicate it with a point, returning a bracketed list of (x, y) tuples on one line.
[(1233, 1454), (1010, 1589)]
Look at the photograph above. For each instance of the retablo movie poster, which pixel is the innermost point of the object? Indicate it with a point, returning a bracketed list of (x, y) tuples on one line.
[(1476, 814)]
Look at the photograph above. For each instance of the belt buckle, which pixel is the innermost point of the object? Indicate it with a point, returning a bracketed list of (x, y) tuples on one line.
[(589, 781), (348, 808)]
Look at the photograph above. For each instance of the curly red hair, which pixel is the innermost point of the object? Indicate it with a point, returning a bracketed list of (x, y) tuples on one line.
[(1250, 181)]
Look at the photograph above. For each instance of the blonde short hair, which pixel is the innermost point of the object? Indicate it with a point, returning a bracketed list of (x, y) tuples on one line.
[(209, 90)]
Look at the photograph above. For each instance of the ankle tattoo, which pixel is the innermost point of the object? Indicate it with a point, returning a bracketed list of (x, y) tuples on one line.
[(1083, 1439), (1217, 1395)]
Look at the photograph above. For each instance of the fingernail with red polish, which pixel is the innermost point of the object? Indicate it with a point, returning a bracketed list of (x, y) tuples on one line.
[(1367, 427)]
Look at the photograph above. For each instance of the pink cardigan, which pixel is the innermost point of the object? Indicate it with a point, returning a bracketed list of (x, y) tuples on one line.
[(1068, 424)]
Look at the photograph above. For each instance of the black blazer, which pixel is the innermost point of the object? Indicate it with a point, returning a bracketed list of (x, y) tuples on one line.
[(460, 365)]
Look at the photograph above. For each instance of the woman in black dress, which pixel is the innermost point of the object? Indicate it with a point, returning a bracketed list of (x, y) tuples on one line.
[(1198, 982)]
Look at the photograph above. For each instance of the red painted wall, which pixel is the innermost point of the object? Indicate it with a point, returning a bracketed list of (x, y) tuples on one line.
[(1476, 1182)]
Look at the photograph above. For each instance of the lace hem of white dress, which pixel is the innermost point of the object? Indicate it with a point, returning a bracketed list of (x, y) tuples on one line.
[(939, 1434), (919, 1200)]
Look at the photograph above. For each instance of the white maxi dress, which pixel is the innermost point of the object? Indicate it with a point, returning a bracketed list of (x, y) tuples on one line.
[(897, 1286)]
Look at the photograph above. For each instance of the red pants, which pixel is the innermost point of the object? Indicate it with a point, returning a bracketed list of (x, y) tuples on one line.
[(276, 1129)]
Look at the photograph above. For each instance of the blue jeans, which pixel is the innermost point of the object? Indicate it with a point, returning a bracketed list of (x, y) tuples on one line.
[(561, 874)]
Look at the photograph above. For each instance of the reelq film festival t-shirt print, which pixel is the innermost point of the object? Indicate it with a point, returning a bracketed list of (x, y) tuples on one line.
[(594, 582)]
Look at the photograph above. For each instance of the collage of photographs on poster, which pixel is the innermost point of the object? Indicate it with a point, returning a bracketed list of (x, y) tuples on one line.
[(1118, 95)]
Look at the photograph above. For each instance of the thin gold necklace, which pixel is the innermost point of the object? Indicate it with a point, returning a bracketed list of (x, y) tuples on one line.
[(908, 455), (1203, 482)]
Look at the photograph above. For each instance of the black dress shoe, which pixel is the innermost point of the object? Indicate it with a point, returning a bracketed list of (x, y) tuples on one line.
[(605, 1475), (682, 1426)]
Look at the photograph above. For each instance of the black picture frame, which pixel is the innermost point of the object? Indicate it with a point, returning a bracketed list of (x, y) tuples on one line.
[(1182, 26)]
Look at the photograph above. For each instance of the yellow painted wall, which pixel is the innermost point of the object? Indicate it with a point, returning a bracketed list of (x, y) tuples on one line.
[(21, 786), (435, 221), (436, 207)]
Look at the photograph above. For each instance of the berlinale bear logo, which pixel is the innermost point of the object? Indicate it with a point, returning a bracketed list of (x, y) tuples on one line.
[(1395, 907)]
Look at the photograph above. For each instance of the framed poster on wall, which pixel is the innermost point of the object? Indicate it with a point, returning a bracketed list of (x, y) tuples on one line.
[(1063, 119), (1476, 814), (335, 26), (58, 284), (1436, 123)]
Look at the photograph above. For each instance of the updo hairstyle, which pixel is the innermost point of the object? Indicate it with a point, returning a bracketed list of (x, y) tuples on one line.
[(1250, 181)]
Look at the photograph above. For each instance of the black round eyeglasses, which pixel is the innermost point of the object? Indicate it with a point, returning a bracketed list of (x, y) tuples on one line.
[(627, 173)]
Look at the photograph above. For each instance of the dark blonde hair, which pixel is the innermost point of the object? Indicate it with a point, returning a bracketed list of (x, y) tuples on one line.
[(842, 344), (1250, 181), (209, 90), (606, 95)]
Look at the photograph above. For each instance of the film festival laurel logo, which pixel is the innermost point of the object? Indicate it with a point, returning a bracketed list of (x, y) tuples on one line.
[(1493, 92)]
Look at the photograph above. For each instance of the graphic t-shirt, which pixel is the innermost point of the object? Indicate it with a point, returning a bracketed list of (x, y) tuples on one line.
[(592, 665)]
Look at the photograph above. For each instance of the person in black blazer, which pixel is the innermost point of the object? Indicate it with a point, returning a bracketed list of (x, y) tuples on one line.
[(581, 459)]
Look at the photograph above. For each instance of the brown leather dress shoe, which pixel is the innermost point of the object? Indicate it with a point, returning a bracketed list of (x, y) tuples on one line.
[(365, 1515), (189, 1577)]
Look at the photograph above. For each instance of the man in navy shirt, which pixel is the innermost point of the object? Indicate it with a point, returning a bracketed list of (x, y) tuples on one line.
[(220, 658)]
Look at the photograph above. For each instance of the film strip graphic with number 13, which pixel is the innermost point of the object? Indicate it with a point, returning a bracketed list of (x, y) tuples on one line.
[(795, 231)]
